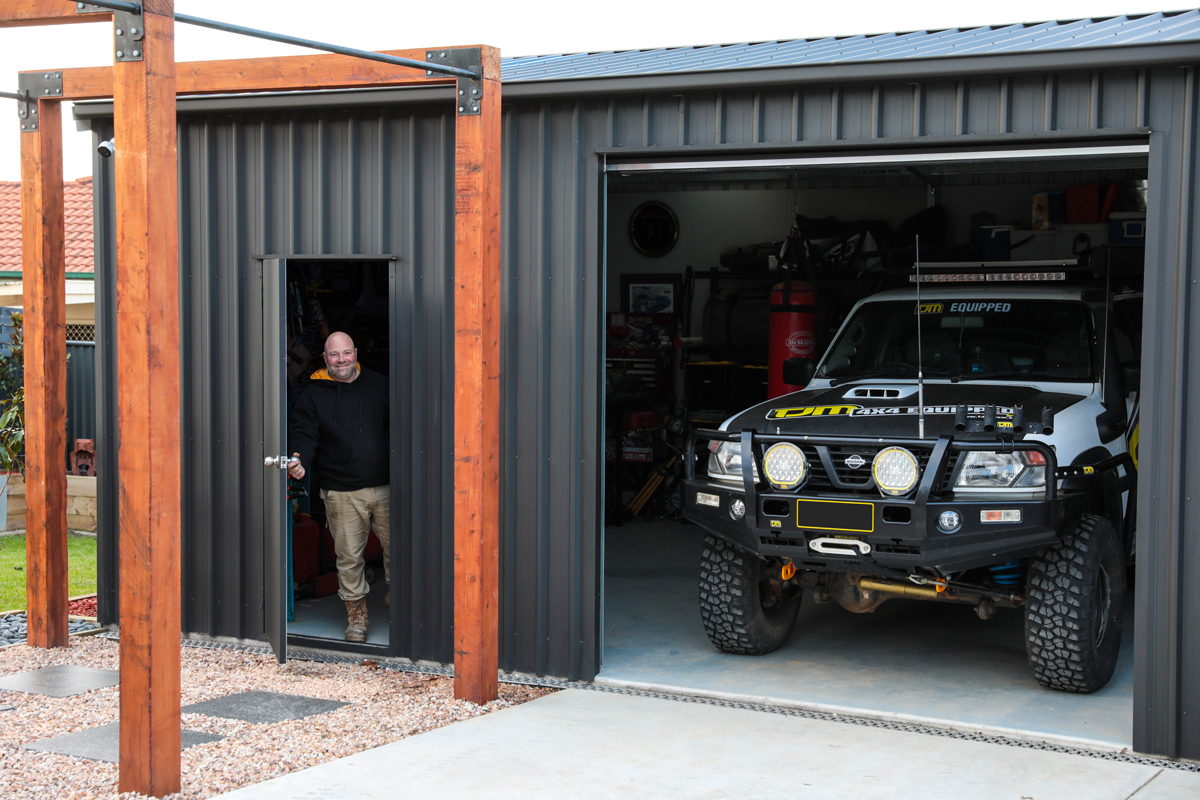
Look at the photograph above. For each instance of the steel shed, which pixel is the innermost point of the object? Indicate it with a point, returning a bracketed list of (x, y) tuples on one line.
[(371, 172)]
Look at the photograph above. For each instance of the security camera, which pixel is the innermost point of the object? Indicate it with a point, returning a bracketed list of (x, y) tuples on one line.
[(106, 149)]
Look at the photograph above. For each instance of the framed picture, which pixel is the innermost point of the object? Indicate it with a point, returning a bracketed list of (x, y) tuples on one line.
[(650, 294)]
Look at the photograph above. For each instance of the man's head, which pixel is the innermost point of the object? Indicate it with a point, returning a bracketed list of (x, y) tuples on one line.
[(341, 357)]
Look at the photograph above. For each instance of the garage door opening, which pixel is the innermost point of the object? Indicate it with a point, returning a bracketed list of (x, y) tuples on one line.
[(695, 257)]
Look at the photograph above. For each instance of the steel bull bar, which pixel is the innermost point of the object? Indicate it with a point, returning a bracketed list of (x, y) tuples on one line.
[(756, 443)]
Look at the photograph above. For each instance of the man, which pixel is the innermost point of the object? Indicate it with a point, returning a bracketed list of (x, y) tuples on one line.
[(340, 424)]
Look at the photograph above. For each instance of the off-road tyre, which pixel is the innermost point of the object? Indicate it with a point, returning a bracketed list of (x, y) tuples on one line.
[(1074, 598), (739, 612)]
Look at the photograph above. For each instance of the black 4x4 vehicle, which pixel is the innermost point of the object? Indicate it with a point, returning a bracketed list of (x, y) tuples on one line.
[(1011, 485)]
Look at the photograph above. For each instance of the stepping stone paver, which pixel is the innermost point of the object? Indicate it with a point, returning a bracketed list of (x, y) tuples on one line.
[(103, 743), (259, 707), (62, 680)]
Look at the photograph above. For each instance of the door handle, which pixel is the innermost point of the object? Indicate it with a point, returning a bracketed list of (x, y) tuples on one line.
[(279, 461)]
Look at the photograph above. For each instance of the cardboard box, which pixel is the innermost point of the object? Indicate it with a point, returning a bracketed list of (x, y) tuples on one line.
[(1049, 210)]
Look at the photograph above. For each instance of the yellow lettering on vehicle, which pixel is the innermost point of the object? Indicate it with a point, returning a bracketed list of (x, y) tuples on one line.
[(1088, 470), (776, 523), (931, 308), (811, 411)]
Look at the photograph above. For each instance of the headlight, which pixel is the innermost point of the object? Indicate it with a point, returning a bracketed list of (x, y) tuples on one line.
[(725, 462), (895, 471), (983, 470), (785, 466)]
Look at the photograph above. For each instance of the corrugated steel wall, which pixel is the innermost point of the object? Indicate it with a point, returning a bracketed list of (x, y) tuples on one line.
[(380, 180), (81, 393)]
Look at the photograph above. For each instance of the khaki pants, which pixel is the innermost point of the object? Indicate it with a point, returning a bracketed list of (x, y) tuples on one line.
[(351, 516)]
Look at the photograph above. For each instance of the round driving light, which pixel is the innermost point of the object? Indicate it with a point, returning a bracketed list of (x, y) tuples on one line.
[(949, 521), (895, 471), (785, 466), (737, 509)]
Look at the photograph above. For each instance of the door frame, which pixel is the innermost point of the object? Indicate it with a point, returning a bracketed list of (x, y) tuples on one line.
[(270, 603)]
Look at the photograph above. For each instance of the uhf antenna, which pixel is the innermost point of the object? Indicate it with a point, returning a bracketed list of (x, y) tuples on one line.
[(920, 370)]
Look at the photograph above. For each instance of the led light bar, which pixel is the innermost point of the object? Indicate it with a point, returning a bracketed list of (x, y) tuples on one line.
[(1027, 276), (977, 277)]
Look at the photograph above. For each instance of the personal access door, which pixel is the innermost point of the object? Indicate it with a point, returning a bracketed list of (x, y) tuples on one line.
[(275, 456)]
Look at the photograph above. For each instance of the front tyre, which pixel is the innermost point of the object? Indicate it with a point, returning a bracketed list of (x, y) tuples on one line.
[(1075, 595), (742, 608)]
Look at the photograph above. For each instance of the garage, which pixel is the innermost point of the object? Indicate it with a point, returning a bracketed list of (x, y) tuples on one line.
[(901, 660), (695, 151)]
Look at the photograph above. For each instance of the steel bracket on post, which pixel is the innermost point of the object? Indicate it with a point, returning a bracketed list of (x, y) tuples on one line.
[(468, 92), (33, 85), (128, 33), (88, 8)]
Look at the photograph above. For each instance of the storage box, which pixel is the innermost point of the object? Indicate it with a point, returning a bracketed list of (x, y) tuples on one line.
[(1127, 227), (638, 454)]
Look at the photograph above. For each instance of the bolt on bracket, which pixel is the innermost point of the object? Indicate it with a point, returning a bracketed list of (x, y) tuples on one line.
[(88, 8), (468, 92), (128, 33), (31, 87)]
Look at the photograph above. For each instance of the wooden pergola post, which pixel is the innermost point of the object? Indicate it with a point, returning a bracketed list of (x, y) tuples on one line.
[(148, 403), (477, 386), (43, 270)]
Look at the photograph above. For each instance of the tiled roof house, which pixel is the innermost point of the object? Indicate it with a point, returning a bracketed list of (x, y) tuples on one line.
[(80, 289), (77, 199)]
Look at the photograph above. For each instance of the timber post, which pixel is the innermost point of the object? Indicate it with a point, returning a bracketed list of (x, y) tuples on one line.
[(43, 268), (477, 382), (148, 397)]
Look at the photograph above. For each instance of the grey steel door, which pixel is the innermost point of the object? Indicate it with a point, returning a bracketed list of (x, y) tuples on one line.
[(275, 455)]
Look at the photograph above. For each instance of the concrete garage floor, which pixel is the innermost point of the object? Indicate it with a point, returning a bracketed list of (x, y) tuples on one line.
[(325, 617), (911, 660)]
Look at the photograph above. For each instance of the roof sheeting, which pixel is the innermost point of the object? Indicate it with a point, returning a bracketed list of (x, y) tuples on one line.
[(77, 212), (986, 40)]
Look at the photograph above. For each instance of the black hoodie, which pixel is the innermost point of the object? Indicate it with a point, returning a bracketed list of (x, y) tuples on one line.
[(342, 430)]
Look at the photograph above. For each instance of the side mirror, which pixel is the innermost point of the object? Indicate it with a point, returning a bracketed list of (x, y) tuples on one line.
[(1131, 371), (798, 371)]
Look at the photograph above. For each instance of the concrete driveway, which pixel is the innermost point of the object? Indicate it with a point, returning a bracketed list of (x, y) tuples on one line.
[(591, 744)]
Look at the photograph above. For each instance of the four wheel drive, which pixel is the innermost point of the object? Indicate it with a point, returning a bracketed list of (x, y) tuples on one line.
[(1014, 488)]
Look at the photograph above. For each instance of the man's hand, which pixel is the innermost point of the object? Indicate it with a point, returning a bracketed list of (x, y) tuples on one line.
[(295, 470)]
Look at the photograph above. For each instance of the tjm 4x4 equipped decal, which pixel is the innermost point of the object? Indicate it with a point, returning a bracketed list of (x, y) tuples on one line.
[(885, 411)]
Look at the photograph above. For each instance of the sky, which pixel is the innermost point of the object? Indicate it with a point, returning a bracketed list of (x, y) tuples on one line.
[(526, 27)]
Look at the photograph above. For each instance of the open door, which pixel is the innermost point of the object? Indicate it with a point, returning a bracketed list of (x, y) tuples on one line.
[(275, 455)]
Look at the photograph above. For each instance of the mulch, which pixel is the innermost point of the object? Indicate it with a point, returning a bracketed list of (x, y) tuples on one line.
[(84, 607)]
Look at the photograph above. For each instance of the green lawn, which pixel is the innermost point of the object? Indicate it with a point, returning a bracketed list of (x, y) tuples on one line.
[(81, 569)]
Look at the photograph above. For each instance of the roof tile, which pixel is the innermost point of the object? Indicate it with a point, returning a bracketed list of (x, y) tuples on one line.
[(77, 202)]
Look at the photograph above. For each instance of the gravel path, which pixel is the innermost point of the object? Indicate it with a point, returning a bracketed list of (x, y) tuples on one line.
[(385, 706)]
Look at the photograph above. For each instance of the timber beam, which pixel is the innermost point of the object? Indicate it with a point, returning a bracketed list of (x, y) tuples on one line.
[(25, 13), (279, 74)]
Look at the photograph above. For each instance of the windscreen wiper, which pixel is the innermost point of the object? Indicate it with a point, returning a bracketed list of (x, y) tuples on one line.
[(983, 376)]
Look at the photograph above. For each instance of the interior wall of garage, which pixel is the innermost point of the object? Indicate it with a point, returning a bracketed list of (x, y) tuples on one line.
[(377, 177)]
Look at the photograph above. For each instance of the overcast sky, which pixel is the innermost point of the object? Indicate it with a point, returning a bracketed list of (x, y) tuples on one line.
[(523, 28)]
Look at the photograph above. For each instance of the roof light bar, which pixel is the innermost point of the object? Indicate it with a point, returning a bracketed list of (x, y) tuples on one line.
[(999, 277)]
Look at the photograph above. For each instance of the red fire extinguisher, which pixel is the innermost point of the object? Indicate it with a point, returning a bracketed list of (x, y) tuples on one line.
[(793, 331)]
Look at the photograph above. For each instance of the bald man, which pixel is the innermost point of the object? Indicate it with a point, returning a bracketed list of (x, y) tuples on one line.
[(340, 424)]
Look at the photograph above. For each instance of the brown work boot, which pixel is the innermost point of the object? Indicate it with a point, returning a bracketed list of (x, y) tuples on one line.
[(356, 611)]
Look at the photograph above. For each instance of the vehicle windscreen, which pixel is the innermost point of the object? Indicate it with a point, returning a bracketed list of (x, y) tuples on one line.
[(964, 340)]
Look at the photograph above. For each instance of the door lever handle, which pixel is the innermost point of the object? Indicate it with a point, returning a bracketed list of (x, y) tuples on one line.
[(279, 461)]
